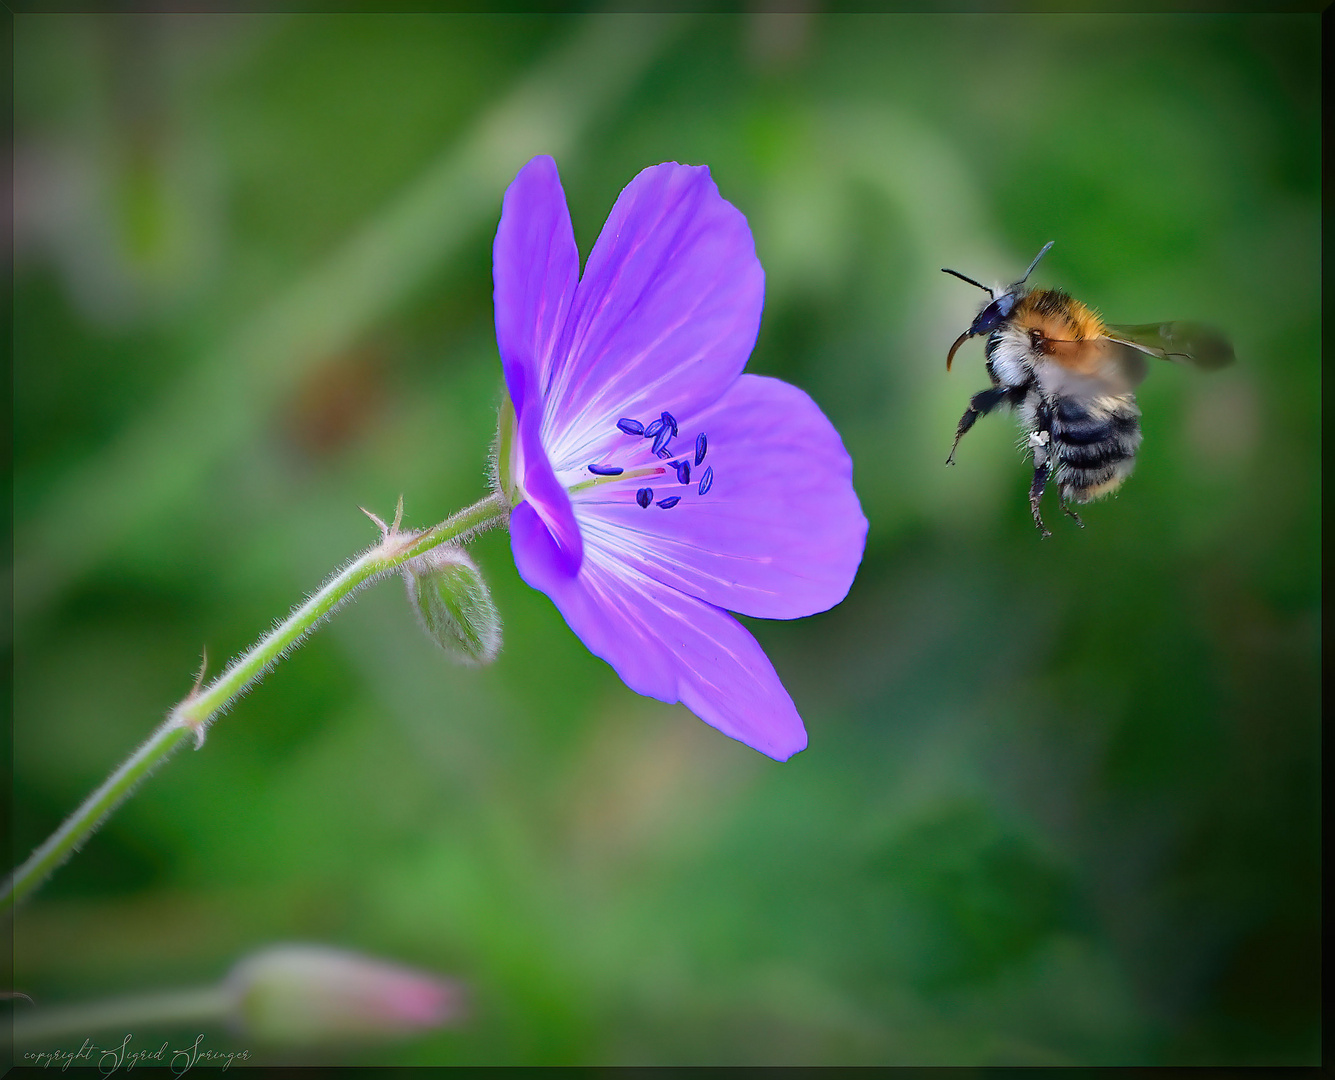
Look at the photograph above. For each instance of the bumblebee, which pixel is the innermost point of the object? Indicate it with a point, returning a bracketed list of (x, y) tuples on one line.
[(1070, 377)]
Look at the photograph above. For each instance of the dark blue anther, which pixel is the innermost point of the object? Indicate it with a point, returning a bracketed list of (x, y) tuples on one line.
[(669, 502), (606, 470), (651, 432), (701, 445), (661, 439), (706, 481), (683, 472), (664, 453), (630, 427), (670, 421), (644, 496)]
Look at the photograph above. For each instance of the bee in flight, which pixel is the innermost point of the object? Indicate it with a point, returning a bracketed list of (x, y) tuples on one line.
[(1071, 378)]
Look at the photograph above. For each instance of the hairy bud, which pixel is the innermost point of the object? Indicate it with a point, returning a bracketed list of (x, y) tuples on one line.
[(454, 605)]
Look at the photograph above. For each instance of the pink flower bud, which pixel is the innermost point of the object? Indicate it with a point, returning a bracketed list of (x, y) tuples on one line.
[(312, 993)]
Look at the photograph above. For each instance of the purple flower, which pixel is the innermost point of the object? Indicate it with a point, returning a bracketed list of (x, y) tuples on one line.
[(644, 533)]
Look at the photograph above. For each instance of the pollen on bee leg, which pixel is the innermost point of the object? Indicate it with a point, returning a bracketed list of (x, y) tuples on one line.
[(1038, 438)]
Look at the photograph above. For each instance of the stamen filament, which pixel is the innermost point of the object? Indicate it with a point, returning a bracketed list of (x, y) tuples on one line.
[(628, 474)]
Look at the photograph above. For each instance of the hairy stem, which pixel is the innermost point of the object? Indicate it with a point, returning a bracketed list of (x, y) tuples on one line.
[(193, 715)]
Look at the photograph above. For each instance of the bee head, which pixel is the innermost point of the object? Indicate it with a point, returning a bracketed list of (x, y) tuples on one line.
[(998, 310)]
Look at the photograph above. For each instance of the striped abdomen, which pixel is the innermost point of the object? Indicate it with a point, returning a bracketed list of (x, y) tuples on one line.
[(1094, 444)]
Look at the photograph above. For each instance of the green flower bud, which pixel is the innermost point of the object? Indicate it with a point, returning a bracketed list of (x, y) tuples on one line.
[(454, 605)]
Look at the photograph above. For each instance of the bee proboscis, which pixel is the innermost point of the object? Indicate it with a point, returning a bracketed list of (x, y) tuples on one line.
[(1071, 379)]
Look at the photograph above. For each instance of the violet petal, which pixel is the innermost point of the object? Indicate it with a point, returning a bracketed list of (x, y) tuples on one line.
[(667, 311), (542, 490), (665, 644), (535, 267), (786, 535)]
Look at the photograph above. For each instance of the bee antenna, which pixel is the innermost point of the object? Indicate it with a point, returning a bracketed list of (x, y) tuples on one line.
[(978, 283), (1046, 248)]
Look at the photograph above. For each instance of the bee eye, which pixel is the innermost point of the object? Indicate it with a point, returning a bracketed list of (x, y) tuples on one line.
[(993, 315), (990, 316)]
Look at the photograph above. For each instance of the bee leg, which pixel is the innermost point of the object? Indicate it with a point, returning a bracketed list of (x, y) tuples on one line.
[(1036, 494), (1071, 513), (1040, 482), (1042, 448), (980, 404), (1040, 445)]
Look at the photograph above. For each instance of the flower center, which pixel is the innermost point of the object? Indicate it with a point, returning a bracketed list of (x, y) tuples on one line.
[(647, 454)]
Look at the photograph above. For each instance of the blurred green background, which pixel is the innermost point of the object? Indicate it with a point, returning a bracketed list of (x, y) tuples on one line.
[(1061, 802)]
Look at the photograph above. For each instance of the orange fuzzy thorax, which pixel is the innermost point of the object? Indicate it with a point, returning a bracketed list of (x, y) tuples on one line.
[(1057, 316)]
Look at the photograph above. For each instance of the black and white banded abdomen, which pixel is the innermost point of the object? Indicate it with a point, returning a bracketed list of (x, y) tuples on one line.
[(1094, 444)]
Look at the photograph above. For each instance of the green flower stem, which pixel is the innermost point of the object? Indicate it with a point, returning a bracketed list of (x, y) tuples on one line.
[(170, 1009), (192, 716)]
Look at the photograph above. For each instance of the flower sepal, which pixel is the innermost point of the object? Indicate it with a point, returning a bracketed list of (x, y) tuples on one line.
[(507, 431)]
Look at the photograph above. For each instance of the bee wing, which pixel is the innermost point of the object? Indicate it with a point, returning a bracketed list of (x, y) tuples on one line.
[(1092, 367), (1200, 345)]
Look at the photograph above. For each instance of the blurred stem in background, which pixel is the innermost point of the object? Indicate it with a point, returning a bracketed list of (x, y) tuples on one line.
[(193, 715)]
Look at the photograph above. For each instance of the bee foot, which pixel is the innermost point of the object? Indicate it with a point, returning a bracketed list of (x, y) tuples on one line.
[(1038, 519)]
